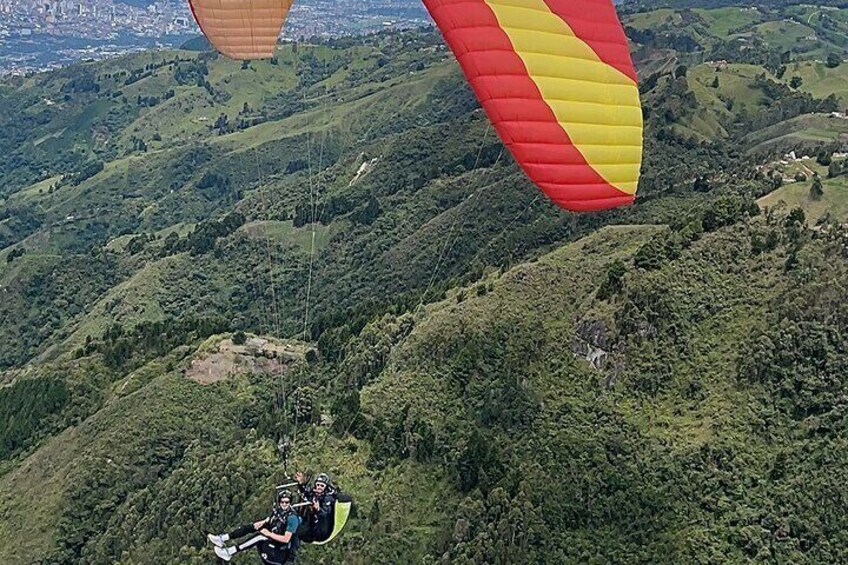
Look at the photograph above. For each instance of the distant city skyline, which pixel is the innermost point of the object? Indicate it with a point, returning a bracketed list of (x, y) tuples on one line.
[(42, 34)]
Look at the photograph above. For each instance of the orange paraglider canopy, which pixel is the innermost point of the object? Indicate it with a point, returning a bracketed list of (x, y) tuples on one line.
[(242, 29)]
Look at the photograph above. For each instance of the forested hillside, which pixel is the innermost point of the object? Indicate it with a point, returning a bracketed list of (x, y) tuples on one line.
[(200, 258)]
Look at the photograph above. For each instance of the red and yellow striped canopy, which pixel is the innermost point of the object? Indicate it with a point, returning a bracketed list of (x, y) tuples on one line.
[(242, 29), (556, 79)]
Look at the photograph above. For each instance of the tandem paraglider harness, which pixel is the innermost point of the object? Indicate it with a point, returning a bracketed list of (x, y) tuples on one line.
[(323, 526), (272, 552)]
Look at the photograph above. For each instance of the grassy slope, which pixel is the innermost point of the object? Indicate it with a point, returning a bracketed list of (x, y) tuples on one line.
[(797, 195), (807, 127), (784, 35), (712, 118), (108, 440), (538, 289), (736, 84), (655, 18), (821, 81), (134, 191), (134, 301), (712, 283), (285, 232), (105, 444), (189, 114), (722, 21), (138, 193)]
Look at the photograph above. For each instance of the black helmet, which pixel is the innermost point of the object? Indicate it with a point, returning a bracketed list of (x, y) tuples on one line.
[(323, 478), (285, 493)]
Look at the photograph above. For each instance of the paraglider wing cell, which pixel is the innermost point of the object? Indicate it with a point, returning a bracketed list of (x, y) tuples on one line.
[(556, 79), (242, 29)]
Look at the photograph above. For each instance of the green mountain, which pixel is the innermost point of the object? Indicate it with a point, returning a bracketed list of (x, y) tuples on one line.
[(199, 258)]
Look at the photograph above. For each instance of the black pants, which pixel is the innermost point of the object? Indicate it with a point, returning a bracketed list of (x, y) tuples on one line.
[(247, 530), (242, 531), (315, 530)]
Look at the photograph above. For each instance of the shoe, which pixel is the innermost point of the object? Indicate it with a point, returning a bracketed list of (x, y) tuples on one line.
[(225, 553), (218, 540)]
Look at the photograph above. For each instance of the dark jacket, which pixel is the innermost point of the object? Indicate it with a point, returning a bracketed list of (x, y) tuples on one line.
[(321, 522)]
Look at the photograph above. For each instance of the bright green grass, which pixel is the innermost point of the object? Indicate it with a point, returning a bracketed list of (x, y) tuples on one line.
[(652, 19), (22, 267), (808, 127), (797, 195), (711, 109), (356, 113), (735, 84), (114, 172), (821, 81), (192, 111), (119, 243), (285, 232), (36, 191), (784, 35), (736, 81), (722, 21), (134, 301)]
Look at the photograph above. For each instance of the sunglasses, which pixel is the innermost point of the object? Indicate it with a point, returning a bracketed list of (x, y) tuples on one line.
[(285, 501)]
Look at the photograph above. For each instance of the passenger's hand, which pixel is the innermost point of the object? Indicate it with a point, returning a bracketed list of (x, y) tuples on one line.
[(299, 478), (316, 505)]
